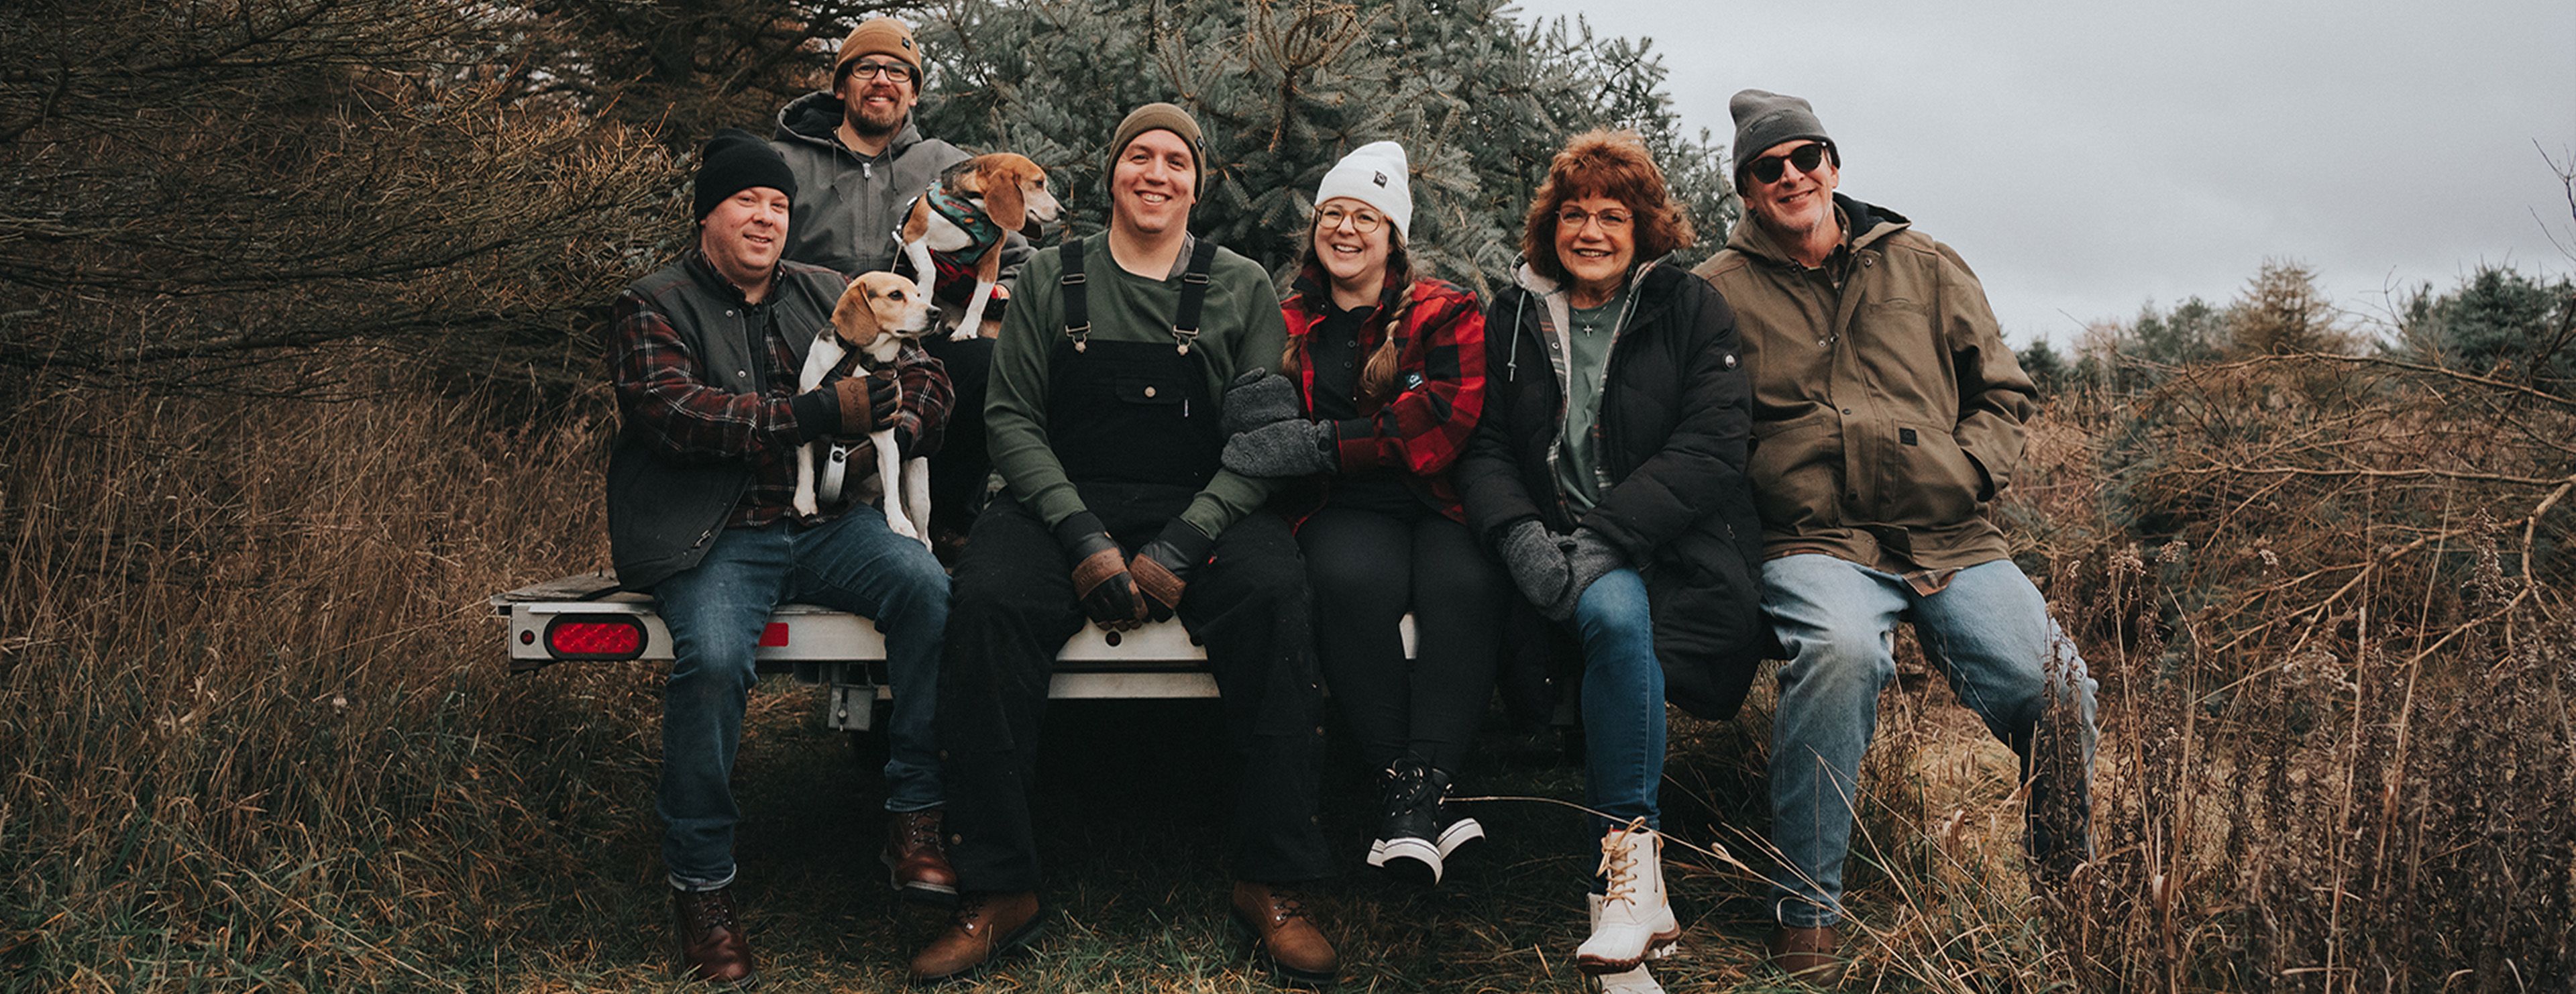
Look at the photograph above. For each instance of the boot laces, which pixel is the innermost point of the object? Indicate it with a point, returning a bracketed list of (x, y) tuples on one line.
[(710, 911), (919, 832), (970, 907), (1286, 904), (1618, 868)]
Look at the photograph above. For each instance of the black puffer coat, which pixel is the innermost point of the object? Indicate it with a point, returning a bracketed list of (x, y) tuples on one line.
[(1675, 425)]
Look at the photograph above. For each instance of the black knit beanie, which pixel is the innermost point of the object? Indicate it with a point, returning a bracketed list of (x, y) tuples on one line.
[(1764, 119), (736, 160)]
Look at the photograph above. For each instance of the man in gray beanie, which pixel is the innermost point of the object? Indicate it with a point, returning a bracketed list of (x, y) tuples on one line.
[(704, 356), (1890, 415)]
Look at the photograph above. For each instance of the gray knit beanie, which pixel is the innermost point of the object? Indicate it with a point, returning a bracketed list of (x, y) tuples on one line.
[(1764, 119)]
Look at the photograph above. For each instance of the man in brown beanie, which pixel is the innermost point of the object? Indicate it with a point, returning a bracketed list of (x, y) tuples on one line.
[(704, 356), (1887, 415), (1108, 412), (860, 159)]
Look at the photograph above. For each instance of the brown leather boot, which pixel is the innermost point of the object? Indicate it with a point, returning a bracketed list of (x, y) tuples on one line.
[(1283, 935), (713, 947), (985, 926), (1807, 953), (916, 864)]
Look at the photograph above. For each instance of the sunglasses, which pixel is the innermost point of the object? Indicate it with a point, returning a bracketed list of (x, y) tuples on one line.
[(1806, 157)]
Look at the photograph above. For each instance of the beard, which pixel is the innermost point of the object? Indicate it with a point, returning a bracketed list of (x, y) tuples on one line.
[(867, 125)]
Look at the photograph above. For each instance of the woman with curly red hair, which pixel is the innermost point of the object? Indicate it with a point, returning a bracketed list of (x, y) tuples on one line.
[(1608, 472), (1388, 372)]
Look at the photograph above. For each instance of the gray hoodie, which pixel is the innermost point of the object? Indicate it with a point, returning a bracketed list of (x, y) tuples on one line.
[(848, 205)]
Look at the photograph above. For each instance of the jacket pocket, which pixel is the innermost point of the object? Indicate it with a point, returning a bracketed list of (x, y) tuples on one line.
[(1795, 468), (1930, 480)]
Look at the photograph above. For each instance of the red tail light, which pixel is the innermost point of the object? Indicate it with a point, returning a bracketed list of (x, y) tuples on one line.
[(595, 637)]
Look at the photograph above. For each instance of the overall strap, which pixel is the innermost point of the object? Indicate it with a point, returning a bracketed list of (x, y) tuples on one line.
[(1077, 306), (1194, 290)]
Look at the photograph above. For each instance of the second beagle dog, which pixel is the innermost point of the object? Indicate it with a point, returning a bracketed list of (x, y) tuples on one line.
[(876, 315), (963, 216)]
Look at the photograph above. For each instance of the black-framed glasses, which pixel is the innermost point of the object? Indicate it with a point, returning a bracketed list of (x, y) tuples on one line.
[(1361, 221), (894, 72), (1806, 157), (1613, 219)]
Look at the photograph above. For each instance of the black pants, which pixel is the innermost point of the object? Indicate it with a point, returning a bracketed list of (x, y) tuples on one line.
[(961, 470), (1013, 610), (1368, 568)]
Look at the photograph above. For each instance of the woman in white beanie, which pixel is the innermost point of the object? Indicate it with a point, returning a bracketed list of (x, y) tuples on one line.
[(1389, 372)]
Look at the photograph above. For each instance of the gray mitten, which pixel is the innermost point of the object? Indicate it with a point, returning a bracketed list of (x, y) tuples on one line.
[(1590, 558), (1258, 398), (1537, 564), (1295, 447)]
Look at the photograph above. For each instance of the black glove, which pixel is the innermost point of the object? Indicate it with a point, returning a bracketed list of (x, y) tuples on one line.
[(1258, 398), (1164, 565), (1538, 565), (1100, 578), (1589, 558), (1295, 447)]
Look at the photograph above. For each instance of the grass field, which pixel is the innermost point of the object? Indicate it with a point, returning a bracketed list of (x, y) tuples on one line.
[(256, 734)]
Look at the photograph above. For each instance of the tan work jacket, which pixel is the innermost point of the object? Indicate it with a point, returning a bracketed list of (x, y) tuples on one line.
[(1887, 410)]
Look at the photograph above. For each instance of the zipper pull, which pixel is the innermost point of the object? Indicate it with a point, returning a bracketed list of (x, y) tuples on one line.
[(1185, 408)]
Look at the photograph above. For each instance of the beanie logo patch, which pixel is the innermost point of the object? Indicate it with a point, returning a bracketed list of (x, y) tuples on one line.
[(1379, 178)]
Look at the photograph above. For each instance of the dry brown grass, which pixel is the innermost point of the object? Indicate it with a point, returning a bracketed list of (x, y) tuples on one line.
[(257, 735)]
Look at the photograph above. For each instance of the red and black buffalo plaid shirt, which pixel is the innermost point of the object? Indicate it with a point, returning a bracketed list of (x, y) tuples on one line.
[(664, 389), (1440, 376)]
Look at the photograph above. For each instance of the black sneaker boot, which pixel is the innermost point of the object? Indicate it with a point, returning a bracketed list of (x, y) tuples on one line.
[(1453, 827), (1407, 826)]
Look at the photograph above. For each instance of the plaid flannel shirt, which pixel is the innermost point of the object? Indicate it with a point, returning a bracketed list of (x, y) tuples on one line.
[(662, 388), (1440, 373)]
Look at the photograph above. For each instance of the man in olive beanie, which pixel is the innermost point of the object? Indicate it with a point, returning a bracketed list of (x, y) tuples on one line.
[(1890, 412), (704, 356), (1108, 412)]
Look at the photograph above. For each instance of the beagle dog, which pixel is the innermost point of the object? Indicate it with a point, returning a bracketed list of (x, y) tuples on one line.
[(963, 216), (876, 315)]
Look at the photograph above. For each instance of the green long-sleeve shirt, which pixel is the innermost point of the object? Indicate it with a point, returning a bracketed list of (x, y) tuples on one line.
[(1240, 329)]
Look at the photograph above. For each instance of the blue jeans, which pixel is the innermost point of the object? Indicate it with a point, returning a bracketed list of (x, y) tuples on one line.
[(1989, 631), (716, 611), (1623, 701)]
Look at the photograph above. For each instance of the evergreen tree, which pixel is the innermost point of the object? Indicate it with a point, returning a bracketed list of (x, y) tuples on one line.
[(2282, 312), (1285, 87), (2045, 366), (2498, 321)]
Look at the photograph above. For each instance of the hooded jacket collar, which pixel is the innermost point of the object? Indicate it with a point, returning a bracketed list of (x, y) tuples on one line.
[(1864, 224), (815, 119)]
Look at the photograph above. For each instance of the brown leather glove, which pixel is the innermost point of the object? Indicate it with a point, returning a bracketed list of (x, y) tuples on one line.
[(866, 402), (1163, 567), (1100, 578)]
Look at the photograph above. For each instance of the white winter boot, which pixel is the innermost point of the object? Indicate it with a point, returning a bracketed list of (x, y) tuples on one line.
[(1636, 981), (1636, 918)]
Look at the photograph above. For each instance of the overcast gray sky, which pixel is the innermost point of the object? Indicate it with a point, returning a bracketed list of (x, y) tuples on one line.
[(2086, 158)]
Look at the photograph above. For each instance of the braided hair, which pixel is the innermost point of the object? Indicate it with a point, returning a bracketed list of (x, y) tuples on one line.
[(1395, 304)]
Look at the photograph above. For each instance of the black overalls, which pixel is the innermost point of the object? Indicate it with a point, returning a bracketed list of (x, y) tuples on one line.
[(1135, 427)]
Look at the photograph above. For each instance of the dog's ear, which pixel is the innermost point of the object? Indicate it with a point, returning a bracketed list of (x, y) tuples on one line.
[(855, 317), (1003, 201)]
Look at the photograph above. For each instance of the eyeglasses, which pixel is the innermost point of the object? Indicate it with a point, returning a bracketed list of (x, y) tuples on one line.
[(1806, 157), (894, 72), (1572, 218), (1361, 221)]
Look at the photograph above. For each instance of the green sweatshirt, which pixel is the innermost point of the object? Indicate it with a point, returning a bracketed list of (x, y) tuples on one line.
[(1240, 329)]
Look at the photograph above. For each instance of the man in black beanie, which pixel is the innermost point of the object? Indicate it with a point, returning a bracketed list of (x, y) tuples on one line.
[(704, 355), (1890, 415)]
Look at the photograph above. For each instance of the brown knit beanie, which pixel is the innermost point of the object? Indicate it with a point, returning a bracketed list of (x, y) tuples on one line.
[(879, 36), (1164, 117)]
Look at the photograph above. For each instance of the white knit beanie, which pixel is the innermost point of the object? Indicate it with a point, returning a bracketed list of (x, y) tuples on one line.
[(1374, 174)]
